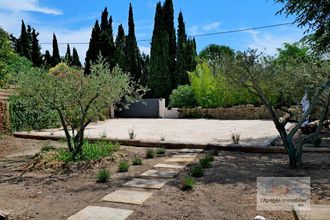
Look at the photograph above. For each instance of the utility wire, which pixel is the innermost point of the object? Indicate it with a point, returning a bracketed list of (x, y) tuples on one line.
[(196, 35)]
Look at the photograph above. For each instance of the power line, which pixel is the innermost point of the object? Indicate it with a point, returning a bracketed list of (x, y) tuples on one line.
[(197, 35)]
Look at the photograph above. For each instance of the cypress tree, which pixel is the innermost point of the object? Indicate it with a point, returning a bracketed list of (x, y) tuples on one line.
[(132, 50), (75, 58), (145, 69), (24, 43), (186, 54), (159, 81), (169, 26), (36, 54), (47, 59), (68, 59), (120, 54), (56, 54), (94, 47)]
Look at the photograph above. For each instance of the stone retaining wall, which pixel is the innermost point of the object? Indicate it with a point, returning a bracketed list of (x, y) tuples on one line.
[(231, 113)]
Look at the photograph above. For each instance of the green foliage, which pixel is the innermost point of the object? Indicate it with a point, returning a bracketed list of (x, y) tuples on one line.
[(197, 171), (75, 58), (27, 115), (161, 150), (137, 161), (103, 176), (56, 58), (150, 153), (90, 151), (120, 52), (183, 96), (187, 183), (214, 51), (47, 148), (205, 162), (93, 49), (68, 58), (123, 166)]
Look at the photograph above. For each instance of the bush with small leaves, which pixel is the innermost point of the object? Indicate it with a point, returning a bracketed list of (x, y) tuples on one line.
[(160, 150), (187, 183), (150, 153), (205, 162), (196, 171), (136, 161), (103, 176), (123, 166)]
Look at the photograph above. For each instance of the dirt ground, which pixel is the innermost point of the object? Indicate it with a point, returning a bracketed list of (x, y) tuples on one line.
[(227, 190)]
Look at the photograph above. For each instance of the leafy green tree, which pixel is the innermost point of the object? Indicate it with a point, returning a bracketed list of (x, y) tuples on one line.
[(68, 58), (254, 72), (56, 58), (183, 97), (214, 51), (75, 58), (78, 99), (47, 59), (120, 53), (315, 15), (94, 47), (169, 26), (132, 50), (293, 52), (159, 81), (36, 53)]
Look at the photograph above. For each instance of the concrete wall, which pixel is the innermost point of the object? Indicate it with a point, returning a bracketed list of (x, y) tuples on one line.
[(232, 113), (147, 108)]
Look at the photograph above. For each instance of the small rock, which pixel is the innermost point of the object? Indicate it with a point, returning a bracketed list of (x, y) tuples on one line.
[(259, 217)]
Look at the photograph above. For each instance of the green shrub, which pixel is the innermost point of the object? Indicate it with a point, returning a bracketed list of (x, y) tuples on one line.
[(182, 96), (90, 151), (187, 183), (123, 166), (26, 115), (196, 171), (103, 176), (160, 150), (210, 157), (136, 161), (47, 148), (150, 153), (205, 162)]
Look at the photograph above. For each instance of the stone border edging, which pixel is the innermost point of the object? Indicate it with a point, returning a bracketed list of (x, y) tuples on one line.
[(137, 143)]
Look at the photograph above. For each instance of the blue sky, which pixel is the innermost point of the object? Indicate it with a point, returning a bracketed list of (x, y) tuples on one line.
[(72, 21)]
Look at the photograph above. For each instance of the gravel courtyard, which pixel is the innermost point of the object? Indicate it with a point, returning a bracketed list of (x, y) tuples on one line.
[(194, 131)]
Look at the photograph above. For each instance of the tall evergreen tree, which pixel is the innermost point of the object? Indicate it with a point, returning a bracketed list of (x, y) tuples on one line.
[(120, 54), (75, 58), (36, 53), (186, 54), (24, 43), (169, 26), (94, 47), (106, 37), (145, 69), (159, 81), (47, 59), (56, 53), (68, 58), (132, 50)]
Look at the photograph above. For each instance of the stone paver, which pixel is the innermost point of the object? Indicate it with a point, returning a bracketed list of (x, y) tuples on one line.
[(180, 160), (189, 155), (191, 150), (127, 196), (188, 131), (146, 183), (171, 166), (317, 212), (160, 173), (101, 213)]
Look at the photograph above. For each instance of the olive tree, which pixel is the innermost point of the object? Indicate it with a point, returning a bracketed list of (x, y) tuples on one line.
[(292, 79), (79, 99)]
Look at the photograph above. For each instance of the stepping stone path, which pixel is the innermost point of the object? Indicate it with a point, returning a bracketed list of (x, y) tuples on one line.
[(128, 197), (151, 179), (146, 183), (160, 173), (319, 212), (101, 213)]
